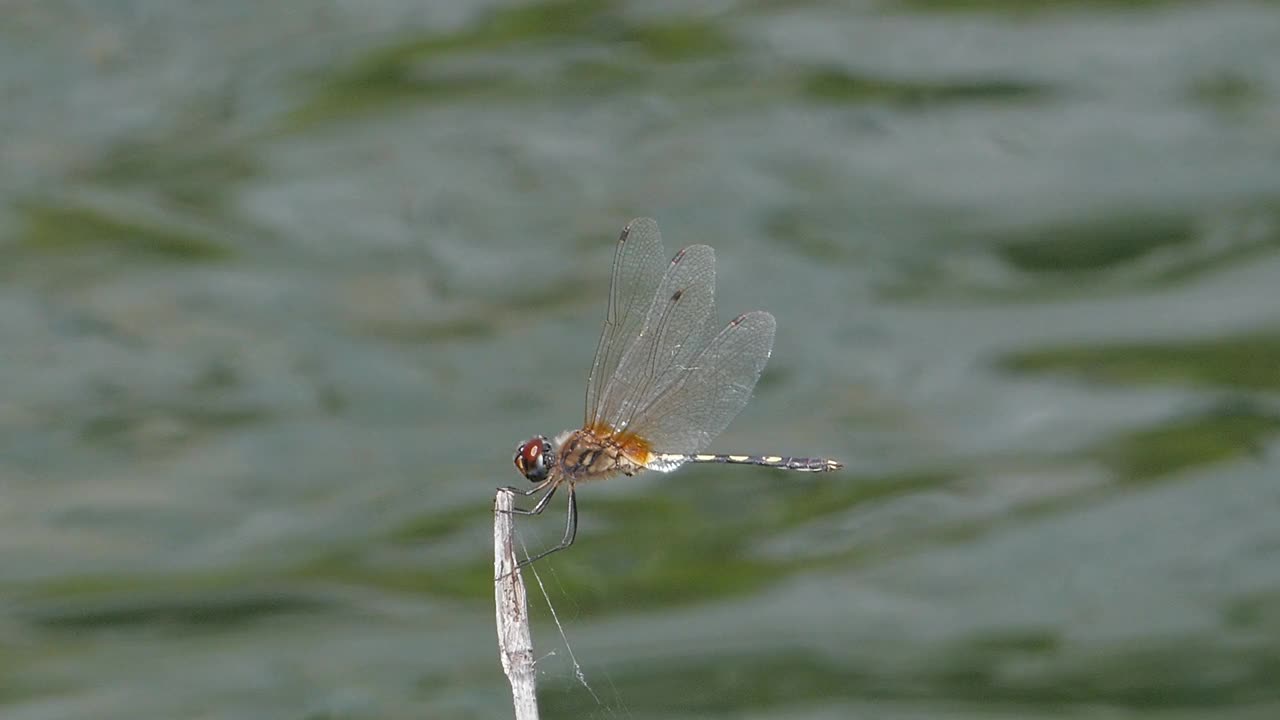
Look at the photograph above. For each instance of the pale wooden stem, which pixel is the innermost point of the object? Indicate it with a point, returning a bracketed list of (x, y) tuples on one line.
[(515, 644)]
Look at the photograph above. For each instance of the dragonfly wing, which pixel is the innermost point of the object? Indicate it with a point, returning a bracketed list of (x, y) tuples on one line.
[(709, 391), (637, 270), (679, 324)]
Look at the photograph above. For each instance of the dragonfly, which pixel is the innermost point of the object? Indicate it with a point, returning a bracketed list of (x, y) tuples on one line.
[(665, 381)]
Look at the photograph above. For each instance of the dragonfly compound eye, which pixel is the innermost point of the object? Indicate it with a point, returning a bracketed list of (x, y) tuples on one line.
[(532, 459)]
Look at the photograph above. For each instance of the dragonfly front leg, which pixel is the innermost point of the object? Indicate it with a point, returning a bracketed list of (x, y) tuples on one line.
[(530, 491), (540, 506)]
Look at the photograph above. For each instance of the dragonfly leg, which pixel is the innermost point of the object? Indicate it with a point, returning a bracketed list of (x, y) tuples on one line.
[(530, 491), (570, 531), (542, 501)]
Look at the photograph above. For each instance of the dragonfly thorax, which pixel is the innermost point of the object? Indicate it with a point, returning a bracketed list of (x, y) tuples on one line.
[(586, 455)]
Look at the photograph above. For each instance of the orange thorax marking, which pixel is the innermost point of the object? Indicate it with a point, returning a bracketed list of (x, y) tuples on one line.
[(591, 454)]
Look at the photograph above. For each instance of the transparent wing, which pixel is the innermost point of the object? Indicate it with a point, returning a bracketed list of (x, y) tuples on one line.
[(677, 327), (699, 404), (637, 270)]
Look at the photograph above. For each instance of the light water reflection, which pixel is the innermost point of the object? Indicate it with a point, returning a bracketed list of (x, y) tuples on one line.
[(283, 286)]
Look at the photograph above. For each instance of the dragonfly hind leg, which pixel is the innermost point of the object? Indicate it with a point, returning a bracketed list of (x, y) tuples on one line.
[(570, 528)]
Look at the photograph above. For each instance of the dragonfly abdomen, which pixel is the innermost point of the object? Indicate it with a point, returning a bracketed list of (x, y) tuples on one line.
[(802, 464)]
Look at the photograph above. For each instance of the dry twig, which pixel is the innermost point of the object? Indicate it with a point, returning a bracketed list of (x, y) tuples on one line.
[(515, 644)]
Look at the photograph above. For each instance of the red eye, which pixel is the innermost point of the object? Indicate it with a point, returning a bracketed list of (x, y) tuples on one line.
[(531, 458)]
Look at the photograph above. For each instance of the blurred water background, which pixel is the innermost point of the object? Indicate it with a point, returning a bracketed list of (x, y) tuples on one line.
[(282, 285)]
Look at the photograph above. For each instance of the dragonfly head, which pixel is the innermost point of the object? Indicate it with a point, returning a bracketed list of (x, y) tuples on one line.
[(533, 458)]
